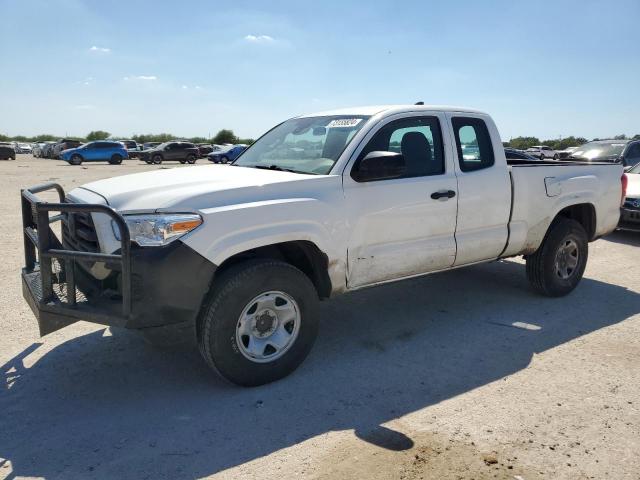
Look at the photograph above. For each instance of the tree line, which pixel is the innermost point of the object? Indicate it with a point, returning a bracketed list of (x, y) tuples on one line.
[(223, 136), (522, 143), (227, 136)]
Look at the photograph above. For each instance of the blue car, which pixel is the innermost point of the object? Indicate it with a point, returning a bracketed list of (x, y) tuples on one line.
[(102, 151), (226, 156)]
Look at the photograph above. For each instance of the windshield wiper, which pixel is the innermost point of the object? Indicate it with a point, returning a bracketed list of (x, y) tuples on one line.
[(280, 169)]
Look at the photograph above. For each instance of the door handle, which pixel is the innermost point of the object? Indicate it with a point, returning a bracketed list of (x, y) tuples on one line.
[(443, 194)]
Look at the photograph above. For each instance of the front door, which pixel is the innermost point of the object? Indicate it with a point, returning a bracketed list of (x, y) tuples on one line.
[(403, 226)]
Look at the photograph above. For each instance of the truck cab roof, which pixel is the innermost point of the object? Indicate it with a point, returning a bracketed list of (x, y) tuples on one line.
[(391, 109)]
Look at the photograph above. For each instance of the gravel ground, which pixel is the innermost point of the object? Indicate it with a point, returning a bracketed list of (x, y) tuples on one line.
[(466, 374)]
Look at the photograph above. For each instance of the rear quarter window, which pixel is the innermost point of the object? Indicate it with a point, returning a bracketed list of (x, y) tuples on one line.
[(473, 143)]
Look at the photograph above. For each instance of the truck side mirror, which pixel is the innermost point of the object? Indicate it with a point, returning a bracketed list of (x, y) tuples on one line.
[(379, 165)]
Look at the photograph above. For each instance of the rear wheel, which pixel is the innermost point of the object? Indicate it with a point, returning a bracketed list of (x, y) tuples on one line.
[(191, 159), (260, 322), (556, 268), (116, 159), (75, 160)]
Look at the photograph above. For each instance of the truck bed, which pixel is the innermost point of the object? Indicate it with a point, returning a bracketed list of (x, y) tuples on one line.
[(541, 189)]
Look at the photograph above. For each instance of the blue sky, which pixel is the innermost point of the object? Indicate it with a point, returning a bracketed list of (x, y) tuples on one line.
[(543, 68)]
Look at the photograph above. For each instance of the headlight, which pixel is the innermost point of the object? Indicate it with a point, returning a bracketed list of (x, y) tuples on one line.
[(158, 229)]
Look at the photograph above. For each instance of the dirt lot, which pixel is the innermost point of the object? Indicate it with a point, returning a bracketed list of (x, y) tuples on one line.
[(466, 374)]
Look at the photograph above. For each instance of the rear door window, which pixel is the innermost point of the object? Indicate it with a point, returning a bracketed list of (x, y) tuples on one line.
[(473, 143)]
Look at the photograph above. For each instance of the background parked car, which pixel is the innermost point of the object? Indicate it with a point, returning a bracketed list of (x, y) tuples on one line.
[(204, 149), (542, 152), (64, 144), (513, 154), (22, 148), (226, 155), (47, 149), (100, 151), (630, 211), (625, 151), (131, 146), (37, 149), (566, 153), (7, 152), (183, 152)]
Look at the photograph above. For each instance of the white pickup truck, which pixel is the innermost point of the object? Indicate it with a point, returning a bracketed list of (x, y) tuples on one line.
[(322, 204)]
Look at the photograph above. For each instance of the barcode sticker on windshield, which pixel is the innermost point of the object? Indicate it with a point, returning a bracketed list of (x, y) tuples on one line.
[(344, 122)]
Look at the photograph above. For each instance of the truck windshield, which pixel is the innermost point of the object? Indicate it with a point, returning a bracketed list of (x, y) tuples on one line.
[(303, 145)]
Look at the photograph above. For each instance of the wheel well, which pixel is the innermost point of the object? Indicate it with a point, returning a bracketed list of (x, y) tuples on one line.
[(304, 255), (584, 214)]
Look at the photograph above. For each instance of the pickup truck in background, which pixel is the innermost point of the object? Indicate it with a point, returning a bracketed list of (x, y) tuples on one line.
[(239, 255)]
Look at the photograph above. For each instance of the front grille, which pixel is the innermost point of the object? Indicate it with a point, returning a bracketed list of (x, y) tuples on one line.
[(79, 232), (632, 203)]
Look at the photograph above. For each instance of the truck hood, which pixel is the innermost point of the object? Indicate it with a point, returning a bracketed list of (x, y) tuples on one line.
[(196, 188)]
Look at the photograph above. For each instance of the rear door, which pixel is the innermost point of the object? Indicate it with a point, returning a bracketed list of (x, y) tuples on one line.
[(484, 188), (90, 152), (102, 151), (178, 151), (402, 226)]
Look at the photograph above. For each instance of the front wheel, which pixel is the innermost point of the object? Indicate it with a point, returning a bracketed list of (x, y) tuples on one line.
[(75, 160), (157, 159), (224, 160), (556, 156), (260, 322), (556, 268)]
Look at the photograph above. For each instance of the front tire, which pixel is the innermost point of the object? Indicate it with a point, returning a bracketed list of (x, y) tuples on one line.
[(260, 322), (556, 268), (556, 156), (157, 159), (224, 160), (75, 160)]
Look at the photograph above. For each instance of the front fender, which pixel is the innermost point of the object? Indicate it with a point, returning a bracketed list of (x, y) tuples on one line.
[(233, 229)]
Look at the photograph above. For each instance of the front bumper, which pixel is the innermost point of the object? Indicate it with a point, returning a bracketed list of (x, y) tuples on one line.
[(148, 288), (629, 219)]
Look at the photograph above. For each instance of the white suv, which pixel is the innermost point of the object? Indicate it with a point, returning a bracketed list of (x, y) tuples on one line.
[(542, 152)]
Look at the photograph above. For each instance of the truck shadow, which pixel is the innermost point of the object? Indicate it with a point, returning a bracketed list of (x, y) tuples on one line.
[(624, 237), (110, 406)]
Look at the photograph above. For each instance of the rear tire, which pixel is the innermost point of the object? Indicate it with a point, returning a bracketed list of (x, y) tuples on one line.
[(237, 342), (556, 268), (75, 160), (116, 159), (191, 159)]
